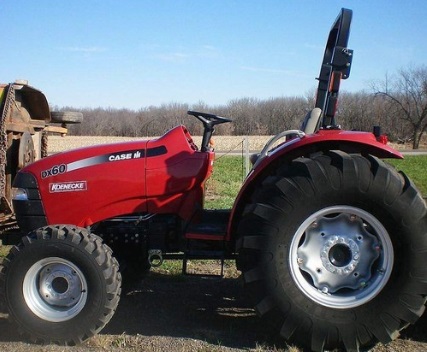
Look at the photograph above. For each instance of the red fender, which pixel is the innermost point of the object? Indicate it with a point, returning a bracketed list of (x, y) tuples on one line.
[(347, 141)]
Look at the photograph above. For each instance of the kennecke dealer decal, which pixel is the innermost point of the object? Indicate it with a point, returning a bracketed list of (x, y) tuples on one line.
[(74, 186)]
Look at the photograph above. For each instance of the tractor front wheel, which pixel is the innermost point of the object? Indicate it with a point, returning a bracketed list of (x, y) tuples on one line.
[(60, 285), (333, 250)]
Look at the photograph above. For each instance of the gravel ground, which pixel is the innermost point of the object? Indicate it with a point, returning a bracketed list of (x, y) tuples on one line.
[(165, 312)]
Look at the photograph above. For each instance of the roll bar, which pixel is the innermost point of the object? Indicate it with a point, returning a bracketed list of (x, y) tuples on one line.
[(336, 65)]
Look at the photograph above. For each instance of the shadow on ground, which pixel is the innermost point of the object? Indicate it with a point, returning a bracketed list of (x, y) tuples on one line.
[(208, 309), (214, 310)]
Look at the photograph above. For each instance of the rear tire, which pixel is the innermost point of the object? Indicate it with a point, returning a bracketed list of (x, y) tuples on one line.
[(60, 285), (66, 116), (333, 250)]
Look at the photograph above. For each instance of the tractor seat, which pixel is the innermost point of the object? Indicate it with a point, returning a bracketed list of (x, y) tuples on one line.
[(311, 121)]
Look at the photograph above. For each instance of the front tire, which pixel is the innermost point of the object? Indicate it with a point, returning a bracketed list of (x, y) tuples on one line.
[(333, 250), (60, 284)]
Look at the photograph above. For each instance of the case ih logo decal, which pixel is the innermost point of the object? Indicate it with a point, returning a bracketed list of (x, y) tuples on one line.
[(125, 156), (101, 159), (68, 186)]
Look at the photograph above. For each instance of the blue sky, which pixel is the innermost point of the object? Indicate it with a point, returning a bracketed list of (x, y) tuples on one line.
[(133, 54)]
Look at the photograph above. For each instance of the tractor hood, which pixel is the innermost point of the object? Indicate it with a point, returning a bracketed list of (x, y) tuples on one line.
[(72, 186), (87, 185), (71, 164)]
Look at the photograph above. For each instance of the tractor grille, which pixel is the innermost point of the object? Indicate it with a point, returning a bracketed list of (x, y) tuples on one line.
[(29, 213)]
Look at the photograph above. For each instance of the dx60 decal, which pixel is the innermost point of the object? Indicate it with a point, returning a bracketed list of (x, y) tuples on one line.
[(54, 170)]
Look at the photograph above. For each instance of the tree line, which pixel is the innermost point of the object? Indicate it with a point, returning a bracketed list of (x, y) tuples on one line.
[(398, 104)]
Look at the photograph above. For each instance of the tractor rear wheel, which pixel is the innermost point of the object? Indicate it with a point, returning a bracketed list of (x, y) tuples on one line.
[(60, 285), (333, 250)]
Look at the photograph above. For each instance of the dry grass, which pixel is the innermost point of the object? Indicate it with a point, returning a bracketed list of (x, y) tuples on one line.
[(222, 143)]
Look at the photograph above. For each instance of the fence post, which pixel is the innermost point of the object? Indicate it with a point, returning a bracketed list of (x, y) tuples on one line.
[(246, 146)]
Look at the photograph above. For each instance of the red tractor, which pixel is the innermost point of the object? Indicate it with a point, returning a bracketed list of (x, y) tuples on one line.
[(330, 239)]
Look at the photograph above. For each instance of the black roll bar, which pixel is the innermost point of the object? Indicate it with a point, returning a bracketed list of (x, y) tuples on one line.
[(335, 66)]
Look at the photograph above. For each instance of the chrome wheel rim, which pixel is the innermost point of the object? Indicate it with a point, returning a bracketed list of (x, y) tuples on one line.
[(341, 257), (55, 289)]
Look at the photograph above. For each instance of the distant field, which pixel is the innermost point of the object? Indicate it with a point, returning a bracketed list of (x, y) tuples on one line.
[(222, 143)]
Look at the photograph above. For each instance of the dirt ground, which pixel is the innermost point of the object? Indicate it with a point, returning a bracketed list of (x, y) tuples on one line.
[(163, 312)]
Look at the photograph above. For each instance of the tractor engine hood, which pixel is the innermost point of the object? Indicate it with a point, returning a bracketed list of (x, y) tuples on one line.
[(87, 185), (70, 187)]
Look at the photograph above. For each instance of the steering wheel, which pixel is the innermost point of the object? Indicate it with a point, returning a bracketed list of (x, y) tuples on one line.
[(209, 122), (208, 119)]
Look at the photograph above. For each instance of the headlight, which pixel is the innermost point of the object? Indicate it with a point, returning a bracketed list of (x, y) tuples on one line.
[(19, 194)]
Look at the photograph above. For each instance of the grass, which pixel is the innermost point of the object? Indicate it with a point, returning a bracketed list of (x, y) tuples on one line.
[(173, 268), (3, 251), (225, 183), (414, 166), (228, 176)]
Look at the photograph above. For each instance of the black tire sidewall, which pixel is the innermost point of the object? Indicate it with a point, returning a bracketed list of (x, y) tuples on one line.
[(96, 298), (282, 286)]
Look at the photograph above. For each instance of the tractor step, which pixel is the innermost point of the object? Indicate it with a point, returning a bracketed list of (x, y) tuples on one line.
[(206, 239)]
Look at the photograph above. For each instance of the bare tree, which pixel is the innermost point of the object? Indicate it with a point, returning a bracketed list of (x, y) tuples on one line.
[(283, 113), (407, 94), (354, 111), (245, 115)]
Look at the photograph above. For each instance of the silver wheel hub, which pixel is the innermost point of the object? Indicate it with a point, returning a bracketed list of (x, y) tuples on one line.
[(341, 257), (55, 289), (59, 285)]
